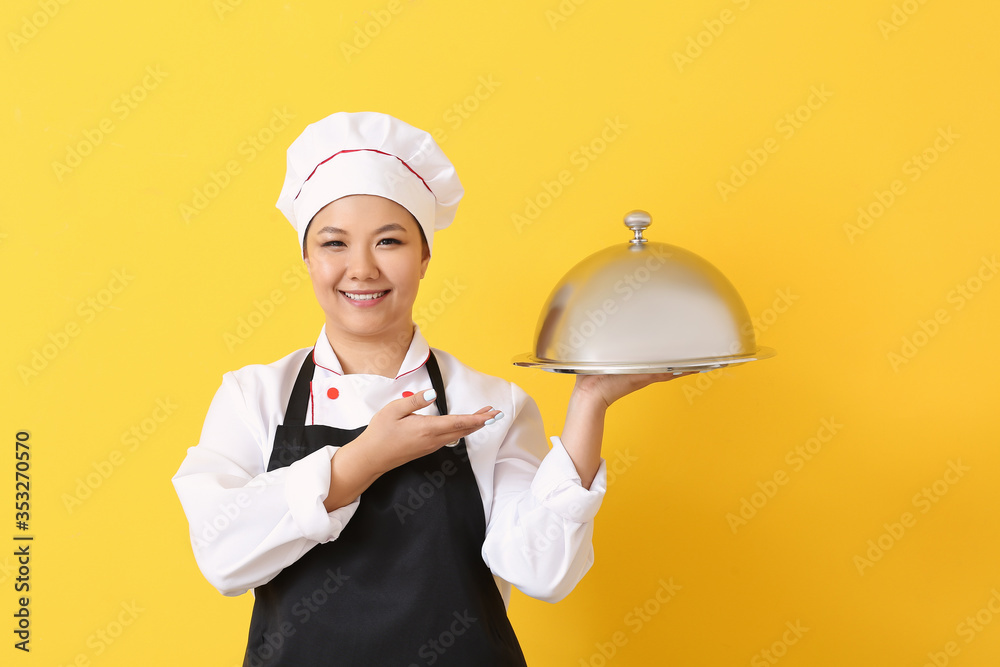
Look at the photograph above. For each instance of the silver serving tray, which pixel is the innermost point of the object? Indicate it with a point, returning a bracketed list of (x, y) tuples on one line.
[(633, 368)]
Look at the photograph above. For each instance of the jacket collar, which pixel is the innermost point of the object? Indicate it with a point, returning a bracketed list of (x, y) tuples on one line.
[(416, 354)]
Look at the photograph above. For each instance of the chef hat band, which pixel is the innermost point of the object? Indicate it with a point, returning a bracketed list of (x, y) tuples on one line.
[(374, 154), (355, 150)]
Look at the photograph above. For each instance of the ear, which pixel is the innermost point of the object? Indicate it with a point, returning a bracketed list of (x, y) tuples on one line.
[(425, 254), (305, 244)]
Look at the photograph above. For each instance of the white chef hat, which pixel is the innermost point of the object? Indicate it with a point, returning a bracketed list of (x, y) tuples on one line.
[(373, 154)]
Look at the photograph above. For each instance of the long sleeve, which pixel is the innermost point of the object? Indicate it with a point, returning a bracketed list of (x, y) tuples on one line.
[(247, 524), (540, 529)]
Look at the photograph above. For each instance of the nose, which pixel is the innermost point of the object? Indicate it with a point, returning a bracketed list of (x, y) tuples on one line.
[(361, 264)]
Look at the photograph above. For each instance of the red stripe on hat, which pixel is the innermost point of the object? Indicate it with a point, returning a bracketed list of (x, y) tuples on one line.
[(355, 150)]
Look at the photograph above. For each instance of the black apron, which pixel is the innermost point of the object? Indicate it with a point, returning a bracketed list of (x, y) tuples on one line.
[(404, 584)]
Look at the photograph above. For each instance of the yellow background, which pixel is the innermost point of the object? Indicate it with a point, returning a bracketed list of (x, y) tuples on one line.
[(836, 304)]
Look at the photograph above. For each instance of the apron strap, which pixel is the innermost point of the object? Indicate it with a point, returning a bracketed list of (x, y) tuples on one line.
[(437, 383), (298, 402)]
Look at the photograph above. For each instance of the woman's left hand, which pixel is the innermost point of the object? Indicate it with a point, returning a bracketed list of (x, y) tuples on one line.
[(612, 387)]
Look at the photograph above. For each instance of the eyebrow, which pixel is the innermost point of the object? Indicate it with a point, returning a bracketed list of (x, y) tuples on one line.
[(391, 227)]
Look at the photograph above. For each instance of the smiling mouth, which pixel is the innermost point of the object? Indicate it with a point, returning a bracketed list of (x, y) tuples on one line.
[(364, 296)]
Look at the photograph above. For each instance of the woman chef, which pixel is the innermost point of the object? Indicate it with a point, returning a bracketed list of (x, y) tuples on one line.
[(379, 496)]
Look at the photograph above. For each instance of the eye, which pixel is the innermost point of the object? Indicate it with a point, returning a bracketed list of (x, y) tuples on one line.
[(330, 243), (391, 241)]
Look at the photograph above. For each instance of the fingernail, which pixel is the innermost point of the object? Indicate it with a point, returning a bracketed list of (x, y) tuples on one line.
[(498, 417), (489, 421), (430, 395)]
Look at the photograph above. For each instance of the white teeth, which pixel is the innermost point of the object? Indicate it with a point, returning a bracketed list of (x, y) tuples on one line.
[(365, 297)]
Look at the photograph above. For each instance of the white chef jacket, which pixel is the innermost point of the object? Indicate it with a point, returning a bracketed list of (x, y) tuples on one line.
[(248, 524)]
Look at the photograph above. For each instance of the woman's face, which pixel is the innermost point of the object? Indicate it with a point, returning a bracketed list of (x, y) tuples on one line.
[(366, 258)]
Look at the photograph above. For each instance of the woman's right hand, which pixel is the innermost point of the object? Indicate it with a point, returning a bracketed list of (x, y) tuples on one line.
[(395, 436)]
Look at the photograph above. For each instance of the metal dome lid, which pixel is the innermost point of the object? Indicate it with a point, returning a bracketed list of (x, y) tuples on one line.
[(643, 307)]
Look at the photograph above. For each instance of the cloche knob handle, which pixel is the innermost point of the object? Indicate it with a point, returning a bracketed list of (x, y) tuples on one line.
[(638, 221)]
